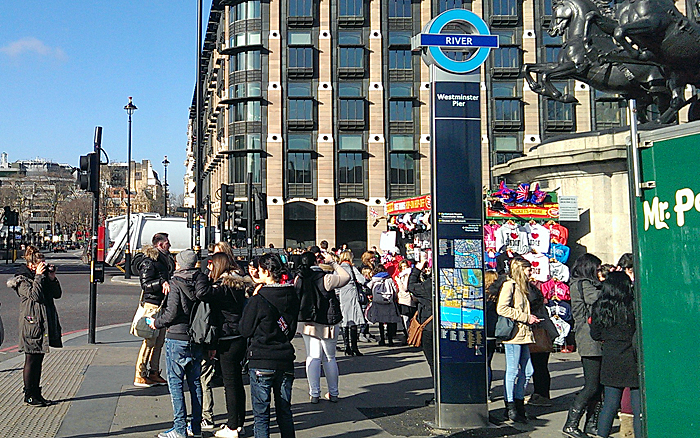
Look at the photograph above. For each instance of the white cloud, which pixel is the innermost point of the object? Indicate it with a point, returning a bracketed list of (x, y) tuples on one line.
[(31, 45)]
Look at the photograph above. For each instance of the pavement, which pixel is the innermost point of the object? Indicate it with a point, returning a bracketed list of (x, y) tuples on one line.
[(382, 395)]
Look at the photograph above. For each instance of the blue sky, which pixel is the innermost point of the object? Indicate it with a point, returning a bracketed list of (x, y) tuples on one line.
[(69, 65)]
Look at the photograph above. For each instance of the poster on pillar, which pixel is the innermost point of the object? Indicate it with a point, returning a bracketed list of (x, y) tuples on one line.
[(459, 250)]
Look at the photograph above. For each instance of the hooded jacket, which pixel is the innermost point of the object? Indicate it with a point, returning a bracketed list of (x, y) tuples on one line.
[(584, 292), (422, 291), (180, 302), (39, 327), (155, 268), (227, 296), (270, 348)]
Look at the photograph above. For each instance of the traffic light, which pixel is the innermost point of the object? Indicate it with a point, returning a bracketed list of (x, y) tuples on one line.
[(89, 176), (259, 206), (10, 218), (230, 206), (258, 228)]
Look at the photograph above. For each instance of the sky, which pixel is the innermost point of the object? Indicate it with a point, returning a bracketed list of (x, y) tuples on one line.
[(68, 66)]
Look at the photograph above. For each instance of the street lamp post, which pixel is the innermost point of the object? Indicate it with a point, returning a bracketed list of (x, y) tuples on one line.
[(165, 185), (130, 108)]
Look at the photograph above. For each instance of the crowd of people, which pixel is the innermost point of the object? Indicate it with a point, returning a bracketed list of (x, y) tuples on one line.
[(258, 309)]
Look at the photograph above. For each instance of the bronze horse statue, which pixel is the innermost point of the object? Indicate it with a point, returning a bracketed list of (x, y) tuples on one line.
[(582, 57), (662, 35)]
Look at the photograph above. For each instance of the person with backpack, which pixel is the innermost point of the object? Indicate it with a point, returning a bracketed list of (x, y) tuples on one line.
[(182, 355), (384, 309), (155, 266), (269, 320), (320, 315)]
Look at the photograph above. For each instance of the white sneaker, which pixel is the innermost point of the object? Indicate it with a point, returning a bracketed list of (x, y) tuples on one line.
[(170, 433), (225, 432), (207, 425)]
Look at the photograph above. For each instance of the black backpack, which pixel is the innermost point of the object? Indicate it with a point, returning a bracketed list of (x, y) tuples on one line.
[(136, 263), (203, 324)]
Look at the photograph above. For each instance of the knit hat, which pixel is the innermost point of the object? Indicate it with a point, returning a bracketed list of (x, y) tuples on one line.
[(187, 259)]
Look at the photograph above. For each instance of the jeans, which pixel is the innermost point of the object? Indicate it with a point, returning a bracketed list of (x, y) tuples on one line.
[(610, 406), (518, 371), (149, 354), (262, 384), (321, 351), (231, 353), (183, 361)]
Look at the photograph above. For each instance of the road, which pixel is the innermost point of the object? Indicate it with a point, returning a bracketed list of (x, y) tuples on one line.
[(116, 302)]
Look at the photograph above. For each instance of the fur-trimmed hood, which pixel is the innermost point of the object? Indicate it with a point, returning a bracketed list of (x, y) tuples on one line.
[(150, 251), (23, 274), (232, 279)]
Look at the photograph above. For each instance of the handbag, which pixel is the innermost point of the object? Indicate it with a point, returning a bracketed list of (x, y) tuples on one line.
[(139, 328), (415, 330), (543, 343), (361, 295), (506, 328)]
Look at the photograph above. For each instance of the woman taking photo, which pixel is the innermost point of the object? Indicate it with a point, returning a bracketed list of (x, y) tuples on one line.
[(585, 290), (349, 304), (613, 323), (513, 303), (320, 312), (270, 321), (227, 296), (37, 287)]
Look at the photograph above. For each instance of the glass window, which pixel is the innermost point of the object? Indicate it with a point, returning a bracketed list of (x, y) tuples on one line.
[(250, 60), (401, 89), (350, 8), (401, 143), (547, 7), (505, 7), (351, 57), (552, 54), (245, 89), (299, 89), (505, 143), (399, 8), (350, 142), (300, 142), (505, 37), (247, 111), (402, 169), (400, 60), (301, 57), (350, 168), (301, 109), (504, 89), (248, 141), (352, 109), (246, 10), (350, 37), (400, 111), (400, 38), (560, 111), (507, 110), (301, 8), (451, 4), (506, 57), (299, 38), (299, 168), (350, 89)]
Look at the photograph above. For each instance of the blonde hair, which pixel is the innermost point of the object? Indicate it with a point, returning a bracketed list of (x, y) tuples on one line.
[(517, 273), (33, 255), (489, 278), (346, 256)]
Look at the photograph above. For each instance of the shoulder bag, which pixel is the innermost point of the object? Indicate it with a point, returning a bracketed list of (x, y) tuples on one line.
[(361, 295), (415, 330), (506, 328), (139, 327)]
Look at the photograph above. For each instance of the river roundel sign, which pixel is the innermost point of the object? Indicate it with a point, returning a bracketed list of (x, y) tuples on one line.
[(436, 43)]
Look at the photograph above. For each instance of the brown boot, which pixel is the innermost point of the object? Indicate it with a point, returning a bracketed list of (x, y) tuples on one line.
[(626, 425), (143, 382), (154, 376)]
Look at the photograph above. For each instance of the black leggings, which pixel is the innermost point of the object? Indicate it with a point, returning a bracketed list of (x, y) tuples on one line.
[(592, 389), (32, 370), (231, 354), (541, 379)]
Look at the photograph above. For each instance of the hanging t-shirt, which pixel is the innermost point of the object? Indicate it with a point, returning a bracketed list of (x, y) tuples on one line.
[(538, 238), (490, 261), (560, 252), (513, 237), (558, 233), (554, 289), (560, 309), (490, 235), (559, 271), (540, 266)]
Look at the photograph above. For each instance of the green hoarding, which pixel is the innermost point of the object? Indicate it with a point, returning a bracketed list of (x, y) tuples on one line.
[(667, 219)]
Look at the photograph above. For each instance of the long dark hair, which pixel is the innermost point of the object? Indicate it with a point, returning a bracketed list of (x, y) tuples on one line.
[(616, 303), (586, 267), (273, 264)]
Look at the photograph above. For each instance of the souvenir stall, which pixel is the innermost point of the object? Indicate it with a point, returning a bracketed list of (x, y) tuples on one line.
[(408, 228), (524, 221)]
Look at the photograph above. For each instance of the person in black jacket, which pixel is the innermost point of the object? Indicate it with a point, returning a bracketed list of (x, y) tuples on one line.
[(270, 321), (420, 285), (155, 269), (39, 327), (182, 357), (613, 323)]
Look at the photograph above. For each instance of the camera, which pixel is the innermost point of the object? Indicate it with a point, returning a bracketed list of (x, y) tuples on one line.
[(51, 268)]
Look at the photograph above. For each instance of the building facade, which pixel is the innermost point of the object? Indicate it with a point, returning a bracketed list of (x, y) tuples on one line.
[(146, 189), (326, 106)]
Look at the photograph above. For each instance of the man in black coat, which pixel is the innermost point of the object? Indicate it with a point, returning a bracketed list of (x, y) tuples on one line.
[(155, 270)]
